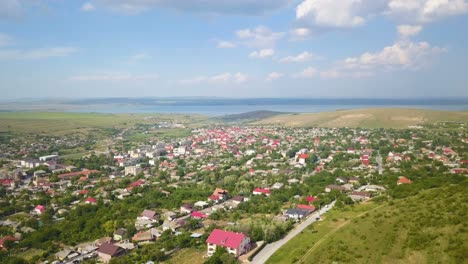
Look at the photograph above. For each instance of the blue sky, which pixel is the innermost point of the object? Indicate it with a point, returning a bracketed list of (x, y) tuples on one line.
[(242, 48)]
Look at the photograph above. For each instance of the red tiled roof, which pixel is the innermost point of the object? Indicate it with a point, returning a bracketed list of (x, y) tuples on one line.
[(306, 207), (260, 190), (311, 199), (91, 200), (40, 208), (197, 214), (225, 238)]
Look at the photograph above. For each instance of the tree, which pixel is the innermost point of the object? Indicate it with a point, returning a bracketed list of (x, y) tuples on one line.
[(221, 256)]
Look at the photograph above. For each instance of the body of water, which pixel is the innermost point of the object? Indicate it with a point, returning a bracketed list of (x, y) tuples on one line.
[(226, 106)]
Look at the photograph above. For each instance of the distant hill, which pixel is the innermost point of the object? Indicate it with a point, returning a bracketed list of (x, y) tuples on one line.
[(366, 118), (249, 116)]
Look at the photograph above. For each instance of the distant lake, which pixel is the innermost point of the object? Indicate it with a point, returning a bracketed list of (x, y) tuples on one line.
[(218, 107)]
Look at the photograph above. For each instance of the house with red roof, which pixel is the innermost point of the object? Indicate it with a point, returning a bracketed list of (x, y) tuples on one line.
[(403, 180), (90, 200), (235, 243), (303, 158), (198, 215), (259, 191), (311, 199), (39, 209), (306, 207)]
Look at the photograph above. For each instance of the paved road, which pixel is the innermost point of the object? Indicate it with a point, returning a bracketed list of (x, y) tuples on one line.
[(270, 249)]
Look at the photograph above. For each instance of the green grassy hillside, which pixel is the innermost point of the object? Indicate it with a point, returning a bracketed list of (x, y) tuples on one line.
[(430, 227), (367, 118)]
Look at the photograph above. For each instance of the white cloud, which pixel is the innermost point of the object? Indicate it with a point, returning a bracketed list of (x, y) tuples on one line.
[(302, 57), (36, 54), (226, 44), (109, 76), (353, 13), (140, 56), (88, 7), (274, 76), (308, 72), (5, 40), (338, 13), (406, 31), (263, 53), (300, 33), (425, 11), (401, 55), (259, 37), (239, 7), (223, 78)]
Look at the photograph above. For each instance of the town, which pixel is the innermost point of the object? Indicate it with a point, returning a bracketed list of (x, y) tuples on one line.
[(226, 191)]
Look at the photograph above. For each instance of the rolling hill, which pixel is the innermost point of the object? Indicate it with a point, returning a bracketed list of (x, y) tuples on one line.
[(249, 116), (366, 118), (427, 228)]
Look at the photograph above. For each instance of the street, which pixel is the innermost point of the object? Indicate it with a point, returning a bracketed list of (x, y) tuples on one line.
[(270, 249)]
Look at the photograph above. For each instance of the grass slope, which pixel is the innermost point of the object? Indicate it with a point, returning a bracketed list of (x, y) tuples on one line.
[(430, 227), (366, 118)]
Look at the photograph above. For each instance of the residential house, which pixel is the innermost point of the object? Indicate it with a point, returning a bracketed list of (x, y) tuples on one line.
[(107, 251), (39, 209), (297, 214), (329, 188), (260, 191), (403, 180), (235, 243), (120, 234)]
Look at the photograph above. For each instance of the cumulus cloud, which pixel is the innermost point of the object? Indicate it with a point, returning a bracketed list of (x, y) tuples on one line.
[(425, 11), (259, 37), (263, 53), (338, 13), (302, 57), (308, 72), (274, 76), (223, 78), (238, 7), (401, 55), (36, 54), (226, 44), (112, 77), (353, 13), (406, 31), (87, 7)]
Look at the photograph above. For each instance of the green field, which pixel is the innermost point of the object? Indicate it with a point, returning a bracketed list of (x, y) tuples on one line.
[(367, 118), (427, 228), (61, 123)]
